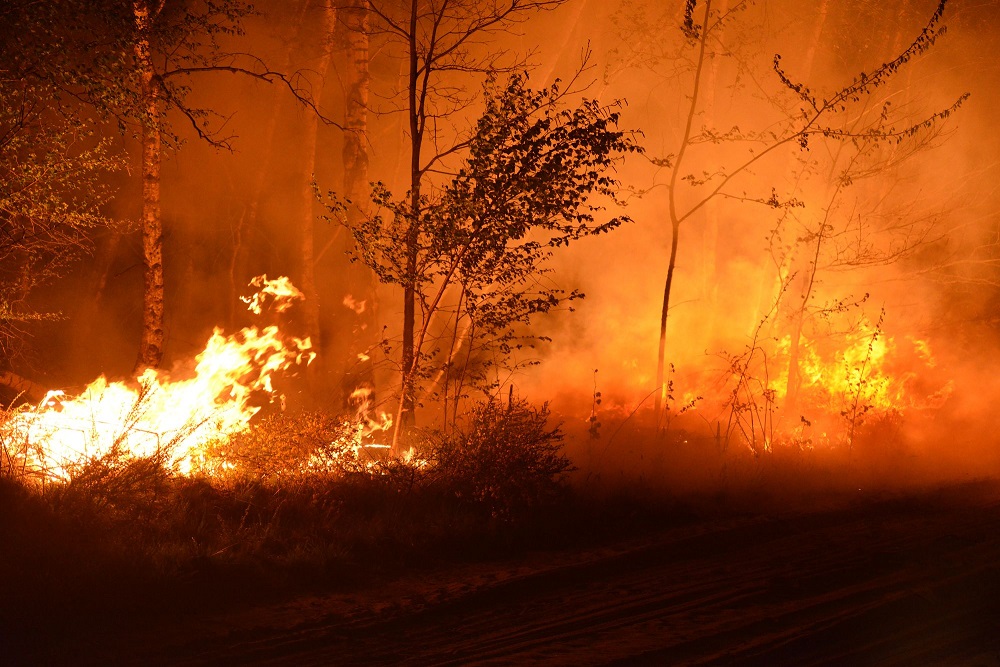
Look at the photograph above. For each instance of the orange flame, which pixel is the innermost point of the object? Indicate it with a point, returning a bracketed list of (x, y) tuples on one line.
[(858, 370), (868, 374), (155, 415)]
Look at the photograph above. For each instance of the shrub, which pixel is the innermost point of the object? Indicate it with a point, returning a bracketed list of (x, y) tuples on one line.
[(506, 461), (279, 446)]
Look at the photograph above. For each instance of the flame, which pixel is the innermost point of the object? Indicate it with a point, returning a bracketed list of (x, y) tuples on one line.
[(156, 415), (866, 373), (281, 293), (357, 306), (355, 448), (369, 423), (839, 383)]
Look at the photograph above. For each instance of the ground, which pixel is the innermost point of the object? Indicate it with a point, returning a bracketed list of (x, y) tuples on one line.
[(907, 579)]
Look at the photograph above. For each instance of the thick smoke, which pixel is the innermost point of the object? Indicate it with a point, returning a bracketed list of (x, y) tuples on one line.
[(931, 214)]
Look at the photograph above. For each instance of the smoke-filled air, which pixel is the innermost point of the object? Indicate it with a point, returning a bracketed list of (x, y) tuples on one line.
[(457, 263)]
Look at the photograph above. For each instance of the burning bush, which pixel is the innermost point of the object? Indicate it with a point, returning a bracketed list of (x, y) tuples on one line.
[(279, 445), (506, 461)]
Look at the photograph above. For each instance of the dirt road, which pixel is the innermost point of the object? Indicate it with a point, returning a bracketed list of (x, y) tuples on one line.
[(911, 581)]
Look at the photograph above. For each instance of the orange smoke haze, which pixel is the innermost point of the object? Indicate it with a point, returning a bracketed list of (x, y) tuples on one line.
[(893, 266)]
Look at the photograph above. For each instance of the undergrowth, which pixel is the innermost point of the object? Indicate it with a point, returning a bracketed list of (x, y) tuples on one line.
[(297, 501)]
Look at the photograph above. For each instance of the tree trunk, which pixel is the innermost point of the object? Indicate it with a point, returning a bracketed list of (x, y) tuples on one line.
[(311, 304), (151, 343), (360, 284), (354, 18), (675, 219), (409, 357)]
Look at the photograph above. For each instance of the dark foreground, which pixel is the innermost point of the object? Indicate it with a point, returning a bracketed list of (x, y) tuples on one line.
[(911, 580)]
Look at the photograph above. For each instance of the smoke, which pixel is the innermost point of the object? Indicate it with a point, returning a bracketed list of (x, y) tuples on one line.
[(930, 214), (232, 215)]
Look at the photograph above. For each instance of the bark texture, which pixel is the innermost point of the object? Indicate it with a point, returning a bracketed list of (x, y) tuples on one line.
[(151, 342), (416, 112)]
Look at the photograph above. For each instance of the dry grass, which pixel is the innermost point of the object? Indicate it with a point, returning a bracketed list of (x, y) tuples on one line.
[(298, 507), (292, 504)]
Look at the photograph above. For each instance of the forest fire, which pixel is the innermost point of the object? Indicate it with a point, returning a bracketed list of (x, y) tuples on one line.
[(865, 369), (847, 380), (155, 415), (690, 288)]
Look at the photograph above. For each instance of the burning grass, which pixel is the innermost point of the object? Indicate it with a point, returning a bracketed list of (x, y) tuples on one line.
[(157, 415), (294, 501), (174, 492)]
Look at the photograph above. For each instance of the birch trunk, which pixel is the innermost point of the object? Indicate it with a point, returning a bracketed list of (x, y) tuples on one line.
[(151, 342), (406, 417), (675, 217)]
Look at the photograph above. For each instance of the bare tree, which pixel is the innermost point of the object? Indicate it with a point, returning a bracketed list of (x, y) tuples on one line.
[(819, 117)]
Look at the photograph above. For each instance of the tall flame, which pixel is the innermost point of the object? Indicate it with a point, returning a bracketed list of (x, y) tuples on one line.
[(155, 415), (868, 374), (855, 370)]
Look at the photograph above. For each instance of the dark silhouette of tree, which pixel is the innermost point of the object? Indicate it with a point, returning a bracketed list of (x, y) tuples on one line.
[(525, 189), (445, 42)]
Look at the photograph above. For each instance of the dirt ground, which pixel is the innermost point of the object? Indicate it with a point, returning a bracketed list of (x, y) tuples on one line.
[(908, 580)]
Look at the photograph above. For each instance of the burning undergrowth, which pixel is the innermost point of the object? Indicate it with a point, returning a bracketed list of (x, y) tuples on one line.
[(179, 422), (180, 484), (856, 407), (171, 486), (289, 502), (851, 393), (205, 427)]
